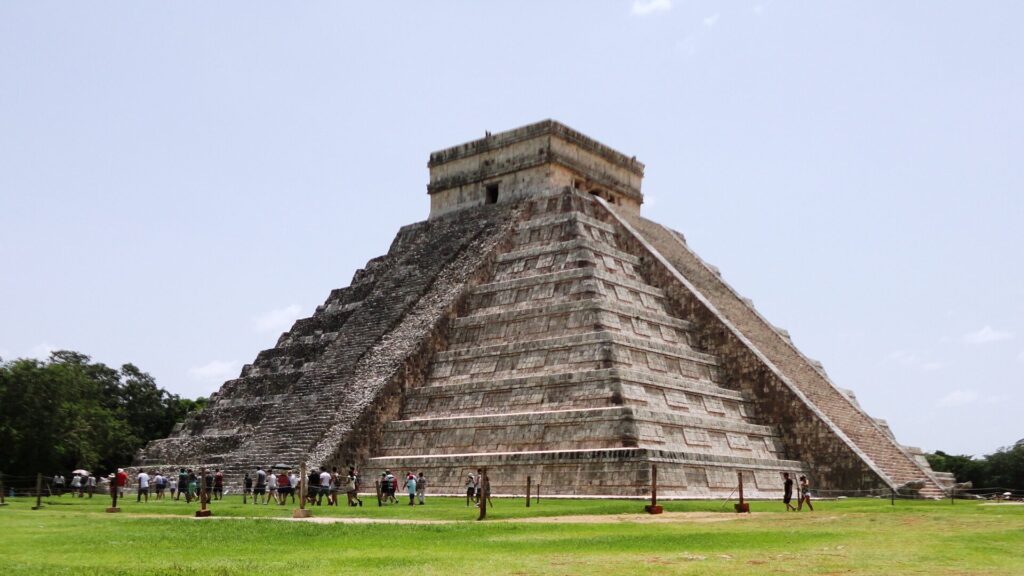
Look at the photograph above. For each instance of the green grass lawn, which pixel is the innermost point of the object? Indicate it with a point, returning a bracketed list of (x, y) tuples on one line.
[(845, 537)]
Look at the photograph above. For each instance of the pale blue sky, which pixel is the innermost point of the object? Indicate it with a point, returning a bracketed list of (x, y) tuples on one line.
[(179, 181)]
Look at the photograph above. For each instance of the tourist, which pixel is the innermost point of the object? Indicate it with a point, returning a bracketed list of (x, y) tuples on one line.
[(325, 487), (76, 485), (182, 484), (293, 483), (122, 482), (382, 488), (246, 487), (218, 484), (272, 489), (477, 486), (193, 484), (805, 494), (142, 485), (787, 491), (392, 483), (470, 488), (284, 487), (410, 486), (159, 483), (261, 486), (58, 484), (335, 485), (421, 488), (90, 484), (352, 487)]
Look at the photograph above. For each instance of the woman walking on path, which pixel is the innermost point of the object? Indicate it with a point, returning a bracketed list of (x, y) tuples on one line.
[(805, 494)]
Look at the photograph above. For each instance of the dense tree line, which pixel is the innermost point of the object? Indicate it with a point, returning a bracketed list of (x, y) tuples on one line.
[(1003, 469), (68, 412)]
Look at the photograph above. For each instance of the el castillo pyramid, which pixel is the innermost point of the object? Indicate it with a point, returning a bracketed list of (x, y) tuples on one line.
[(537, 324)]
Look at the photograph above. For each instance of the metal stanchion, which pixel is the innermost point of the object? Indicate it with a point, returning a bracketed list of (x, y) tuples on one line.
[(527, 491)]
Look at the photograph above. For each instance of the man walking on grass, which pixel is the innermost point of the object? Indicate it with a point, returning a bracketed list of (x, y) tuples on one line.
[(787, 492), (142, 481)]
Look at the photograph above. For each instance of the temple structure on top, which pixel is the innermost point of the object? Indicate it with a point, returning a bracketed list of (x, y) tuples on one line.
[(536, 160), (535, 324)]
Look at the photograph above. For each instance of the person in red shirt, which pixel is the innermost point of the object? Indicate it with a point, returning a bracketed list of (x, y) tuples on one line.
[(122, 481), (284, 487)]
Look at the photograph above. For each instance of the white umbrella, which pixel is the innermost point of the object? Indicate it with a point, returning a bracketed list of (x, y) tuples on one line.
[(80, 472)]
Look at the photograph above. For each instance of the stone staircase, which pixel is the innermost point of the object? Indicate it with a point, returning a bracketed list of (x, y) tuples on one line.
[(282, 406)]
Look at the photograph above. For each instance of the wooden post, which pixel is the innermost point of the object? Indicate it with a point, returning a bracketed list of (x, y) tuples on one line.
[(527, 490), (203, 512), (742, 506), (39, 492), (2, 503), (538, 492), (485, 490), (302, 512), (653, 508)]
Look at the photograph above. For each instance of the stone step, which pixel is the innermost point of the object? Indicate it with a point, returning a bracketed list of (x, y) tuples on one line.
[(579, 428), (568, 318), (587, 351), (606, 472), (584, 389)]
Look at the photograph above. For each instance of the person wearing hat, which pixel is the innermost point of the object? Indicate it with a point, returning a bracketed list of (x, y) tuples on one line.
[(470, 488)]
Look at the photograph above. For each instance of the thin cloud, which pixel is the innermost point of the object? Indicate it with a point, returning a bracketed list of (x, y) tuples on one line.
[(911, 360), (277, 320), (214, 372), (646, 7), (958, 398), (987, 335), (1020, 357), (710, 21)]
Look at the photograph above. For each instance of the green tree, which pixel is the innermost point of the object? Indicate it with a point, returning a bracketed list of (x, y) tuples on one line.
[(69, 412)]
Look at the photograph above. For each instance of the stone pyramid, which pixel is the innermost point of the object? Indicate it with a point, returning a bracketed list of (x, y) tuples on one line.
[(537, 325)]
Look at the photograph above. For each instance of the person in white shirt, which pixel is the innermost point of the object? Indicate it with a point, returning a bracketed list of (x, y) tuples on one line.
[(325, 486), (158, 484), (143, 484), (272, 488)]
